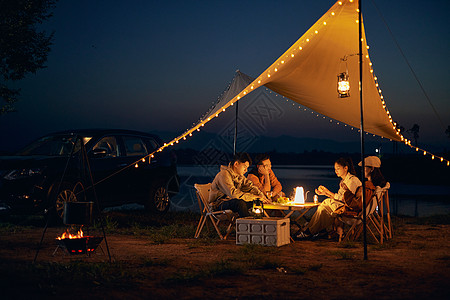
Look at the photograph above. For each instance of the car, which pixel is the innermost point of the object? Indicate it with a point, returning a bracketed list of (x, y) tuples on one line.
[(108, 166)]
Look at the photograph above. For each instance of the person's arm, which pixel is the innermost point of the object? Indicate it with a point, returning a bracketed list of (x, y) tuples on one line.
[(225, 185), (255, 180), (266, 186), (275, 183), (323, 191), (248, 187)]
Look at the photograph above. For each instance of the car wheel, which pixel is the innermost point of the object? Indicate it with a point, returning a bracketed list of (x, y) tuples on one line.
[(159, 201), (69, 192)]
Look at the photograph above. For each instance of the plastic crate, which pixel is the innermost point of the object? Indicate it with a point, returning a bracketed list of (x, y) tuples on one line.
[(266, 231)]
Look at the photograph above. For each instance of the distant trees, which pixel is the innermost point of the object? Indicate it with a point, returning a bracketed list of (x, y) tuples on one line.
[(415, 132), (23, 48)]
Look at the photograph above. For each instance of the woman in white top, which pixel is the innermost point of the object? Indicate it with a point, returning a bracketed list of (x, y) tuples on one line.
[(323, 218)]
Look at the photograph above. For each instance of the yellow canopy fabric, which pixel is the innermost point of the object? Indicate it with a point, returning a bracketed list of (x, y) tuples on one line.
[(307, 74)]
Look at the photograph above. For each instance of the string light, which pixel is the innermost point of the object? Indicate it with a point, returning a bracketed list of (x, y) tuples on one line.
[(292, 55)]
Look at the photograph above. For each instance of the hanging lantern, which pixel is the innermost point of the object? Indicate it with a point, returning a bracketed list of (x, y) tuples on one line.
[(343, 85), (258, 208)]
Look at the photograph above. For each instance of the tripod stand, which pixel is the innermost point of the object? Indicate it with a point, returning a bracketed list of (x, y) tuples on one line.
[(78, 148)]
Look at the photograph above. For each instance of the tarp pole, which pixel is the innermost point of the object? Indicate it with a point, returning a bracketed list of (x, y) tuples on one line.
[(235, 129), (362, 131)]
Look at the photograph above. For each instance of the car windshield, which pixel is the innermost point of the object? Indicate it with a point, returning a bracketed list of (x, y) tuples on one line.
[(54, 145)]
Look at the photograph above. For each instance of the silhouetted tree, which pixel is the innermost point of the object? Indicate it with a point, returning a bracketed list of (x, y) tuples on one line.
[(415, 132), (23, 48)]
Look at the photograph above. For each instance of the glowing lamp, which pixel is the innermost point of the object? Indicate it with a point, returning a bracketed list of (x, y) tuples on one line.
[(343, 85), (258, 208), (299, 197)]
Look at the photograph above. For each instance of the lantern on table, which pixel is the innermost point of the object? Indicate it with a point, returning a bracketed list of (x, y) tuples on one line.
[(258, 208)]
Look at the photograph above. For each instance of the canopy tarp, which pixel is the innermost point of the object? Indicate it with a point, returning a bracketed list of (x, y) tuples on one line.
[(307, 74)]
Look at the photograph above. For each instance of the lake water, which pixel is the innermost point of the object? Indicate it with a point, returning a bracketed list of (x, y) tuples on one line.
[(405, 199)]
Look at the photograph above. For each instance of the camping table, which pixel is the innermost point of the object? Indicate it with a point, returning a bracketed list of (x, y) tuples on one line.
[(291, 208)]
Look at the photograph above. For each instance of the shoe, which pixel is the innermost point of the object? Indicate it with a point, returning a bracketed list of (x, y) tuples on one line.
[(302, 236)]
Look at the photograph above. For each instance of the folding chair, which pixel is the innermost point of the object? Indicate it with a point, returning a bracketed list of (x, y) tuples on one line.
[(355, 221), (216, 217), (385, 228)]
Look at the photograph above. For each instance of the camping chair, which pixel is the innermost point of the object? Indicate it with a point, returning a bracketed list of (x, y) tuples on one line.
[(385, 228), (355, 221), (216, 217)]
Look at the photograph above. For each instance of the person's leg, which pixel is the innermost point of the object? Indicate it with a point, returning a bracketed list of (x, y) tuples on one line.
[(237, 205), (322, 218)]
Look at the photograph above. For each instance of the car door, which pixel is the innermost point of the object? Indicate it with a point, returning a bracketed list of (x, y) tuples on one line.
[(135, 177), (107, 164)]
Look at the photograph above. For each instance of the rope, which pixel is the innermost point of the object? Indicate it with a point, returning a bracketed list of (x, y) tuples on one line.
[(409, 65)]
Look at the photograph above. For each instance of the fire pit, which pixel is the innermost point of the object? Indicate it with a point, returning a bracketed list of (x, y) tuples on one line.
[(78, 244)]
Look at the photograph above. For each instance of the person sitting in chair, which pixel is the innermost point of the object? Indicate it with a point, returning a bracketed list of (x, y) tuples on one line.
[(263, 177), (323, 218), (231, 190), (372, 171)]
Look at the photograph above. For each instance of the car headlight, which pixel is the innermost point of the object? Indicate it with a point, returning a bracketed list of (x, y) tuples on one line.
[(22, 173)]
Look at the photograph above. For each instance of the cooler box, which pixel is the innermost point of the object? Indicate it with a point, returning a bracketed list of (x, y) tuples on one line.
[(266, 231)]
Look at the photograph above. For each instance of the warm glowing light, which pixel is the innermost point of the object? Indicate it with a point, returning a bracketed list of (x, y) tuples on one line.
[(136, 165), (68, 235), (281, 62), (316, 32), (292, 55), (143, 160), (343, 85), (324, 23), (307, 40), (340, 2), (299, 197), (424, 152), (332, 14), (300, 48)]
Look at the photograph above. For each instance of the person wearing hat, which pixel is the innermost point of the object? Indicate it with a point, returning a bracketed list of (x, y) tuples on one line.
[(372, 171)]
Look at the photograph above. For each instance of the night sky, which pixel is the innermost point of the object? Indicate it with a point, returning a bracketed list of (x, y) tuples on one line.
[(159, 65)]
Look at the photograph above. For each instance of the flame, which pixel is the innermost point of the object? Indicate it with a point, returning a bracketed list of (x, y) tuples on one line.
[(68, 235)]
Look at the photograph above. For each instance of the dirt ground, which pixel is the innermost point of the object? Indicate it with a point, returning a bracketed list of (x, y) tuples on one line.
[(415, 264)]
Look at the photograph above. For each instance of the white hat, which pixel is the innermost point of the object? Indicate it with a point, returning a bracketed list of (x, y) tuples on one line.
[(371, 161)]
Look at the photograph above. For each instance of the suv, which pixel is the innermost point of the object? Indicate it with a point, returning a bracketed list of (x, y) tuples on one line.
[(57, 168)]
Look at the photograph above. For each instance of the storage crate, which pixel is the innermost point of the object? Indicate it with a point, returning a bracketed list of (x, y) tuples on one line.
[(266, 231)]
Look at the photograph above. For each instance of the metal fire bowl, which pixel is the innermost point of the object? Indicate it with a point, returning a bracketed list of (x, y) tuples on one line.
[(87, 244)]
